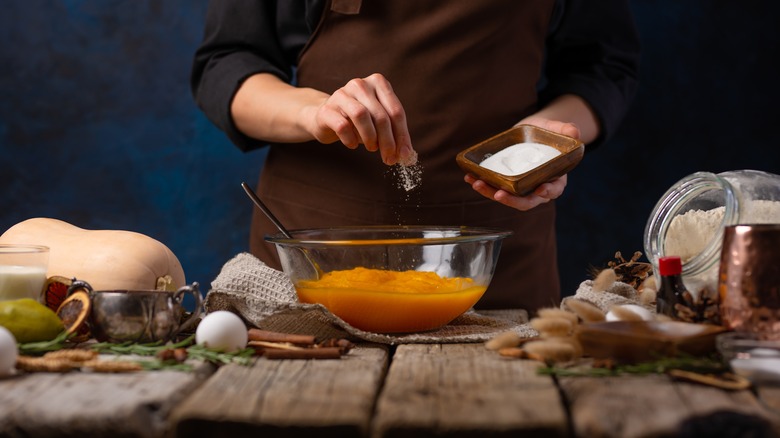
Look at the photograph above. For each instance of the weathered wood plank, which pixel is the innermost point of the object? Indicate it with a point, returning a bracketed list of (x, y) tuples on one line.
[(770, 398), (288, 398), (93, 404), (627, 406), (726, 413), (654, 405), (465, 390)]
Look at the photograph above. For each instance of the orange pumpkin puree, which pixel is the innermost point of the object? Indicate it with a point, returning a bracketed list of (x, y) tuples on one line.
[(385, 301)]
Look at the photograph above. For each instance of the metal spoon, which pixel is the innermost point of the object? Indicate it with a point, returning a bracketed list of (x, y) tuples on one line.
[(256, 199)]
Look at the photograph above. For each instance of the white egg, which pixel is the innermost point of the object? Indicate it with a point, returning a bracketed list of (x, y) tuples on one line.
[(8, 352), (643, 313), (222, 330)]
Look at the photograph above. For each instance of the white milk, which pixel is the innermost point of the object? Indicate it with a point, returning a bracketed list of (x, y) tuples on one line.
[(519, 158), (21, 282)]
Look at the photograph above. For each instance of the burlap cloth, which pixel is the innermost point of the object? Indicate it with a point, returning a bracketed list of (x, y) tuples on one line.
[(265, 298), (618, 293)]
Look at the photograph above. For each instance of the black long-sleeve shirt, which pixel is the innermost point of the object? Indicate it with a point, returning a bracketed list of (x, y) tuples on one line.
[(592, 51)]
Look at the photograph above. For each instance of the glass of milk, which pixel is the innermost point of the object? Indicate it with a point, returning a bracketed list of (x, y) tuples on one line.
[(22, 271)]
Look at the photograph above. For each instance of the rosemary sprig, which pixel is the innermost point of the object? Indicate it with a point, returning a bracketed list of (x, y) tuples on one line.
[(41, 347), (159, 365), (241, 357), (707, 365), (194, 351), (147, 349)]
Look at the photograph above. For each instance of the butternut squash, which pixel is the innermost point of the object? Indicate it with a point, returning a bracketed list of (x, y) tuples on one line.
[(107, 259)]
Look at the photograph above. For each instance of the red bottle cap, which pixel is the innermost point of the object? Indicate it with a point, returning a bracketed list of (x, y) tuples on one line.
[(670, 265)]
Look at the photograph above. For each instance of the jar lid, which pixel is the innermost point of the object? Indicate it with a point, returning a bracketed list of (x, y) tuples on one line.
[(670, 265)]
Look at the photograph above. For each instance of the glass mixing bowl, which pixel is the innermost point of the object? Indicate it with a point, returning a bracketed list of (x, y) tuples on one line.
[(391, 279)]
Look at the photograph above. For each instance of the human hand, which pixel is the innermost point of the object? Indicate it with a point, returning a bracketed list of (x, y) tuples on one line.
[(544, 192), (365, 111)]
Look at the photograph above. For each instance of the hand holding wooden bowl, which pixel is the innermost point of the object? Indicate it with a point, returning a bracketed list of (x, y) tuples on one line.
[(570, 150)]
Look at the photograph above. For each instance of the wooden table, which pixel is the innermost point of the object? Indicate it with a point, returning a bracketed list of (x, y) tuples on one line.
[(450, 390)]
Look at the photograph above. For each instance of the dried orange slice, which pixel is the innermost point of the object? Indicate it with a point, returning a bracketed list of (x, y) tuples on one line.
[(74, 313), (55, 290)]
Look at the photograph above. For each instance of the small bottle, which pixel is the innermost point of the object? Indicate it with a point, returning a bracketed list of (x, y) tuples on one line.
[(671, 287)]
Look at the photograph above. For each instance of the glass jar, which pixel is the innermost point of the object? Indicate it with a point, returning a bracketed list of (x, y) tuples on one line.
[(22, 271), (689, 219)]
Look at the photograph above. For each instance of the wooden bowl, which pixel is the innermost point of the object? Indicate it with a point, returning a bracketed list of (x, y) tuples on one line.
[(629, 342), (571, 150)]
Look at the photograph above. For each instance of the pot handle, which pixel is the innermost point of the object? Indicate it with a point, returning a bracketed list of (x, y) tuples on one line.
[(195, 292), (77, 285)]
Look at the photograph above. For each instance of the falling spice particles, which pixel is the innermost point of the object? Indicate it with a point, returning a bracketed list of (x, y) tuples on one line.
[(408, 173)]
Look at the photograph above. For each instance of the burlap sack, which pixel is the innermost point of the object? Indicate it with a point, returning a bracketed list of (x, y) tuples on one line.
[(265, 298), (617, 294)]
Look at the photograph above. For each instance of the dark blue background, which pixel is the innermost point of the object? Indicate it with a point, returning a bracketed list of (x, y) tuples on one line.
[(98, 127)]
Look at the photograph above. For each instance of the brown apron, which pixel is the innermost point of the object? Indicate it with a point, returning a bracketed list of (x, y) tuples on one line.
[(464, 71)]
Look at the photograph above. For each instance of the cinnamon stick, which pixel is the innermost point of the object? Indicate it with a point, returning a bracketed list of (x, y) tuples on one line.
[(275, 345), (343, 345), (269, 336), (306, 353)]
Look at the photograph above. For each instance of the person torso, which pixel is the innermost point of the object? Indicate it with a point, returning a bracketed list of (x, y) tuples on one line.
[(464, 71)]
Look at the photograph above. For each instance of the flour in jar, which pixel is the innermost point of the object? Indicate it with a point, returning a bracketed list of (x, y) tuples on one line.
[(519, 158), (691, 232)]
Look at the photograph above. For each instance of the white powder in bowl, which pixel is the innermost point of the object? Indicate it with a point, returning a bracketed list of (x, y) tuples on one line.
[(519, 158)]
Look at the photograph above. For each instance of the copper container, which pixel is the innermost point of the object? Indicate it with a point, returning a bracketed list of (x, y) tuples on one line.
[(749, 279)]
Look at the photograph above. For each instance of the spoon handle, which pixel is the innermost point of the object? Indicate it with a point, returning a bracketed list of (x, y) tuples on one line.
[(253, 196)]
